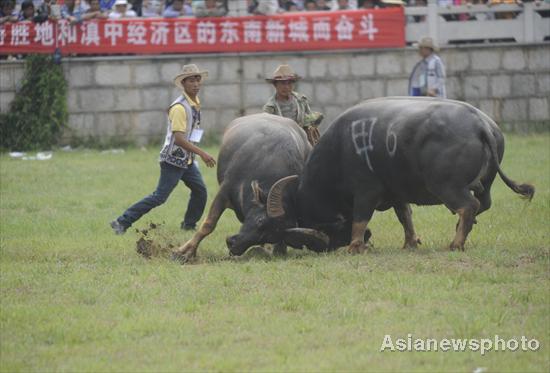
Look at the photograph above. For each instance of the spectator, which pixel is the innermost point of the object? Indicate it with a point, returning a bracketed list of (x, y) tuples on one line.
[(289, 104), (322, 5), (121, 10), (106, 4), (210, 8), (94, 11), (177, 157), (480, 16), (417, 18), (136, 6), (263, 7), (151, 8), (290, 6), (72, 12), (44, 11), (177, 9), (310, 5), (27, 11), (7, 13), (343, 5), (504, 15), (392, 3), (369, 4), (428, 75)]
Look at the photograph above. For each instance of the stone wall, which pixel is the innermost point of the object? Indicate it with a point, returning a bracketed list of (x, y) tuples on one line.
[(123, 99)]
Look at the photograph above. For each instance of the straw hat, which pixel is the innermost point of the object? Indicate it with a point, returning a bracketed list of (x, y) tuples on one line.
[(188, 71), (426, 43), (283, 72), (393, 2)]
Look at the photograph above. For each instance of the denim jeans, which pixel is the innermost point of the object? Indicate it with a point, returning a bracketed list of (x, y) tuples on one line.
[(169, 177)]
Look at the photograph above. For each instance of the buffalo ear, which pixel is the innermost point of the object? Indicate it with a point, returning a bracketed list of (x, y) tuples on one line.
[(313, 239), (259, 197)]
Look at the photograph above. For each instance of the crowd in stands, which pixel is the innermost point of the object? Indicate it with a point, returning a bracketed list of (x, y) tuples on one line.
[(78, 10)]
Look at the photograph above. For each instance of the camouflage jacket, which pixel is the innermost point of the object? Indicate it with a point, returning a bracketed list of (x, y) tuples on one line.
[(304, 111)]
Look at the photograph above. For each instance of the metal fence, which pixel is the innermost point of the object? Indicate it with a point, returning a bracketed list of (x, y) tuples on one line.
[(528, 23)]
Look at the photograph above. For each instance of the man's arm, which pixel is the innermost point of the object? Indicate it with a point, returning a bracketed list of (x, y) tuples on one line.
[(178, 119), (268, 109), (180, 140)]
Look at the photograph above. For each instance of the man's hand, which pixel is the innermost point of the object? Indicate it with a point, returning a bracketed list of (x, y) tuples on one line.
[(208, 159), (431, 93)]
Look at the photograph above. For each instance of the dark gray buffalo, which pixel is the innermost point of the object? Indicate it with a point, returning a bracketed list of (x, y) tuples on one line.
[(258, 154), (387, 153)]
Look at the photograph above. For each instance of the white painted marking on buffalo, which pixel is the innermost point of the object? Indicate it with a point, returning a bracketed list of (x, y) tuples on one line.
[(361, 131)]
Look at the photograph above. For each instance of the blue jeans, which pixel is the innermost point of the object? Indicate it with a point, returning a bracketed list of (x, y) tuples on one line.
[(169, 177)]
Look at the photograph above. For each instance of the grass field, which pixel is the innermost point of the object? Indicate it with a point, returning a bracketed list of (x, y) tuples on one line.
[(75, 297)]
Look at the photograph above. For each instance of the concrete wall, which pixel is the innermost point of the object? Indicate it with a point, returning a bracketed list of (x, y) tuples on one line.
[(125, 98)]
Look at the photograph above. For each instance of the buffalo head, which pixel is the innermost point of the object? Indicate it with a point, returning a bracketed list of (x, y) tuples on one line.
[(267, 221)]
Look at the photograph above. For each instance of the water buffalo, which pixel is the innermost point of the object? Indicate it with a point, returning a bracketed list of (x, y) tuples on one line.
[(257, 155), (389, 152)]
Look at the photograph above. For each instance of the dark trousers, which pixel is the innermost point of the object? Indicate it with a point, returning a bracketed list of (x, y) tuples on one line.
[(169, 177)]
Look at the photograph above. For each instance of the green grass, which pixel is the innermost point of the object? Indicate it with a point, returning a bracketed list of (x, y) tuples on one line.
[(75, 297)]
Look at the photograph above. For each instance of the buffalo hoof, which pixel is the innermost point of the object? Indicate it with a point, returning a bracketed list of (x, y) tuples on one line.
[(456, 246), (412, 244), (357, 247), (185, 255)]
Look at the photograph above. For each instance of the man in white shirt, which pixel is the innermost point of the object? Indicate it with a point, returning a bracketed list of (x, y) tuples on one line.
[(428, 75), (121, 10)]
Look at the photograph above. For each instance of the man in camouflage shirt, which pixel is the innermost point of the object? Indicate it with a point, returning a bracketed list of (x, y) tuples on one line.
[(289, 104)]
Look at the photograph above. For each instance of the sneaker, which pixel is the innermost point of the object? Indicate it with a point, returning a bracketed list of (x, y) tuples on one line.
[(118, 228)]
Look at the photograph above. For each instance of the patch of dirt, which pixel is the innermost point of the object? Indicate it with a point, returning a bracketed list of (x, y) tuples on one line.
[(153, 242)]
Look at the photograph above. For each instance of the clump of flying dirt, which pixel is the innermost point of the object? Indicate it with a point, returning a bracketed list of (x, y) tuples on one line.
[(153, 242)]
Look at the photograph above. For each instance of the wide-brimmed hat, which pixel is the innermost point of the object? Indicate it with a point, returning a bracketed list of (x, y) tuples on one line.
[(393, 2), (426, 43), (282, 73), (186, 72)]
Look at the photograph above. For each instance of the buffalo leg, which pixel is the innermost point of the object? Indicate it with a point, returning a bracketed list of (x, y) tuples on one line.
[(358, 230), (189, 249), (363, 208), (404, 214), (466, 206), (485, 201)]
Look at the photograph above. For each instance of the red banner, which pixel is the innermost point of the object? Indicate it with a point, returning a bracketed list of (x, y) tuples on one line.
[(359, 29)]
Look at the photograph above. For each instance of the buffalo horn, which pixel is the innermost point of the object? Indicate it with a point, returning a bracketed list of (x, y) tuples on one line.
[(314, 240), (275, 197)]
